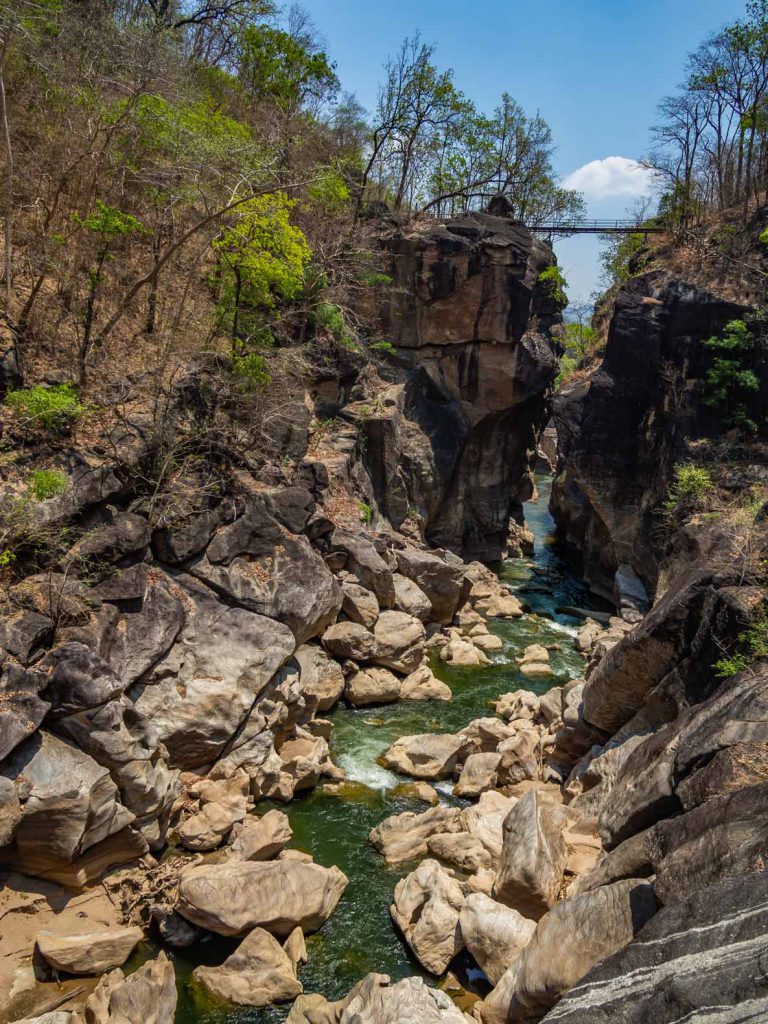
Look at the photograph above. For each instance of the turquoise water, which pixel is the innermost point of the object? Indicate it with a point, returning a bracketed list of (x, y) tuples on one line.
[(360, 936)]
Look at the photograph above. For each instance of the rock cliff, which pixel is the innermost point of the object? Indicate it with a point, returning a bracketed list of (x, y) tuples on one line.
[(470, 322), (621, 429)]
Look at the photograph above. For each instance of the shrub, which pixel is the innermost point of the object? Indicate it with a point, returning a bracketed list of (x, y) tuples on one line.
[(251, 369), (690, 486), (366, 513), (327, 317), (47, 483), (732, 383), (554, 285), (754, 644), (52, 409)]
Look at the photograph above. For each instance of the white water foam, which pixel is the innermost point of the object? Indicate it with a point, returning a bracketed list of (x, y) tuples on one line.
[(360, 767)]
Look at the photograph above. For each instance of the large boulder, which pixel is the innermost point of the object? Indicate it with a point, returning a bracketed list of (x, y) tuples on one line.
[(258, 973), (533, 857), (570, 939), (322, 679), (148, 996), (89, 952), (403, 837), (444, 584), (265, 568), (204, 690), (427, 756), (495, 935), (426, 909), (350, 640), (364, 561), (372, 686), (72, 824), (261, 838), (410, 1001), (399, 641), (236, 896), (411, 599), (479, 773), (359, 605)]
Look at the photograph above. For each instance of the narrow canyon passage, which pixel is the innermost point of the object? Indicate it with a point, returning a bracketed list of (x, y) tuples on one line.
[(360, 937)]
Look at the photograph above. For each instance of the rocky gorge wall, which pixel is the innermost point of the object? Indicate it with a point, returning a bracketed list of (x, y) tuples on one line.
[(471, 324)]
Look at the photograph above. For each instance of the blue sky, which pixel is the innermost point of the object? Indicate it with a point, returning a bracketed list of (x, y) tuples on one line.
[(594, 69)]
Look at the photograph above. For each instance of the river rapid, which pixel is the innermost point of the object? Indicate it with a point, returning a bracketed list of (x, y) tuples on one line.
[(360, 936)]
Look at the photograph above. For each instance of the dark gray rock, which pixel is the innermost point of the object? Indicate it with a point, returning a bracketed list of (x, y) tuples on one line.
[(21, 708), (699, 960), (23, 632), (77, 679)]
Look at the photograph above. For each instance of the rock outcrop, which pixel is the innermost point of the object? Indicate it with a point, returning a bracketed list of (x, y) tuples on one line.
[(470, 322)]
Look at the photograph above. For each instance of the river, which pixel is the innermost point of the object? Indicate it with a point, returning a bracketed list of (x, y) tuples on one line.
[(360, 936)]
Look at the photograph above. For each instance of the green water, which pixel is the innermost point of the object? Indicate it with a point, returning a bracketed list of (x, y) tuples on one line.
[(360, 936)]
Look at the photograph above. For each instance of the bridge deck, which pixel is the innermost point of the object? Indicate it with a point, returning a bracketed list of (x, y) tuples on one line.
[(595, 227)]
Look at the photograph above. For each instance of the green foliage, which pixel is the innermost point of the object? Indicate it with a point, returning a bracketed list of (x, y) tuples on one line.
[(251, 370), (262, 259), (554, 284), (47, 483), (689, 487), (7, 558), (109, 222), (329, 193), (732, 381), (373, 279), (366, 513), (754, 643), (622, 256), (52, 409), (568, 366), (383, 346), (284, 67), (329, 318), (763, 237)]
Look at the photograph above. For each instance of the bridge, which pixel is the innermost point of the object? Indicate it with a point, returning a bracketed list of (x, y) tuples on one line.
[(594, 227)]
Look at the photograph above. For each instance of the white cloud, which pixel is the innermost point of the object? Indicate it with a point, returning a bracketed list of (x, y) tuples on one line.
[(611, 176)]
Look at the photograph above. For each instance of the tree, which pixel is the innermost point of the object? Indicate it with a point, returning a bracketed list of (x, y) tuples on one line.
[(262, 259)]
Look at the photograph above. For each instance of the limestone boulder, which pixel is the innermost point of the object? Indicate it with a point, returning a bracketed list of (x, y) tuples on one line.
[(403, 837), (463, 654), (423, 684), (427, 756), (72, 825), (269, 570), (518, 704), (479, 773), (359, 605), (350, 640), (485, 820), (411, 599), (261, 838), (443, 583), (372, 686), (495, 935), (90, 952), (399, 641), (376, 1001), (533, 857), (488, 642), (148, 996), (571, 938), (364, 561), (426, 909), (258, 973), (207, 829), (461, 850), (236, 896), (322, 679)]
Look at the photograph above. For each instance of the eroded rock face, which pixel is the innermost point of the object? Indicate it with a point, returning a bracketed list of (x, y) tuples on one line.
[(693, 960), (148, 996), (426, 910), (575, 935), (617, 430), (533, 857), (495, 935), (460, 311), (91, 952)]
